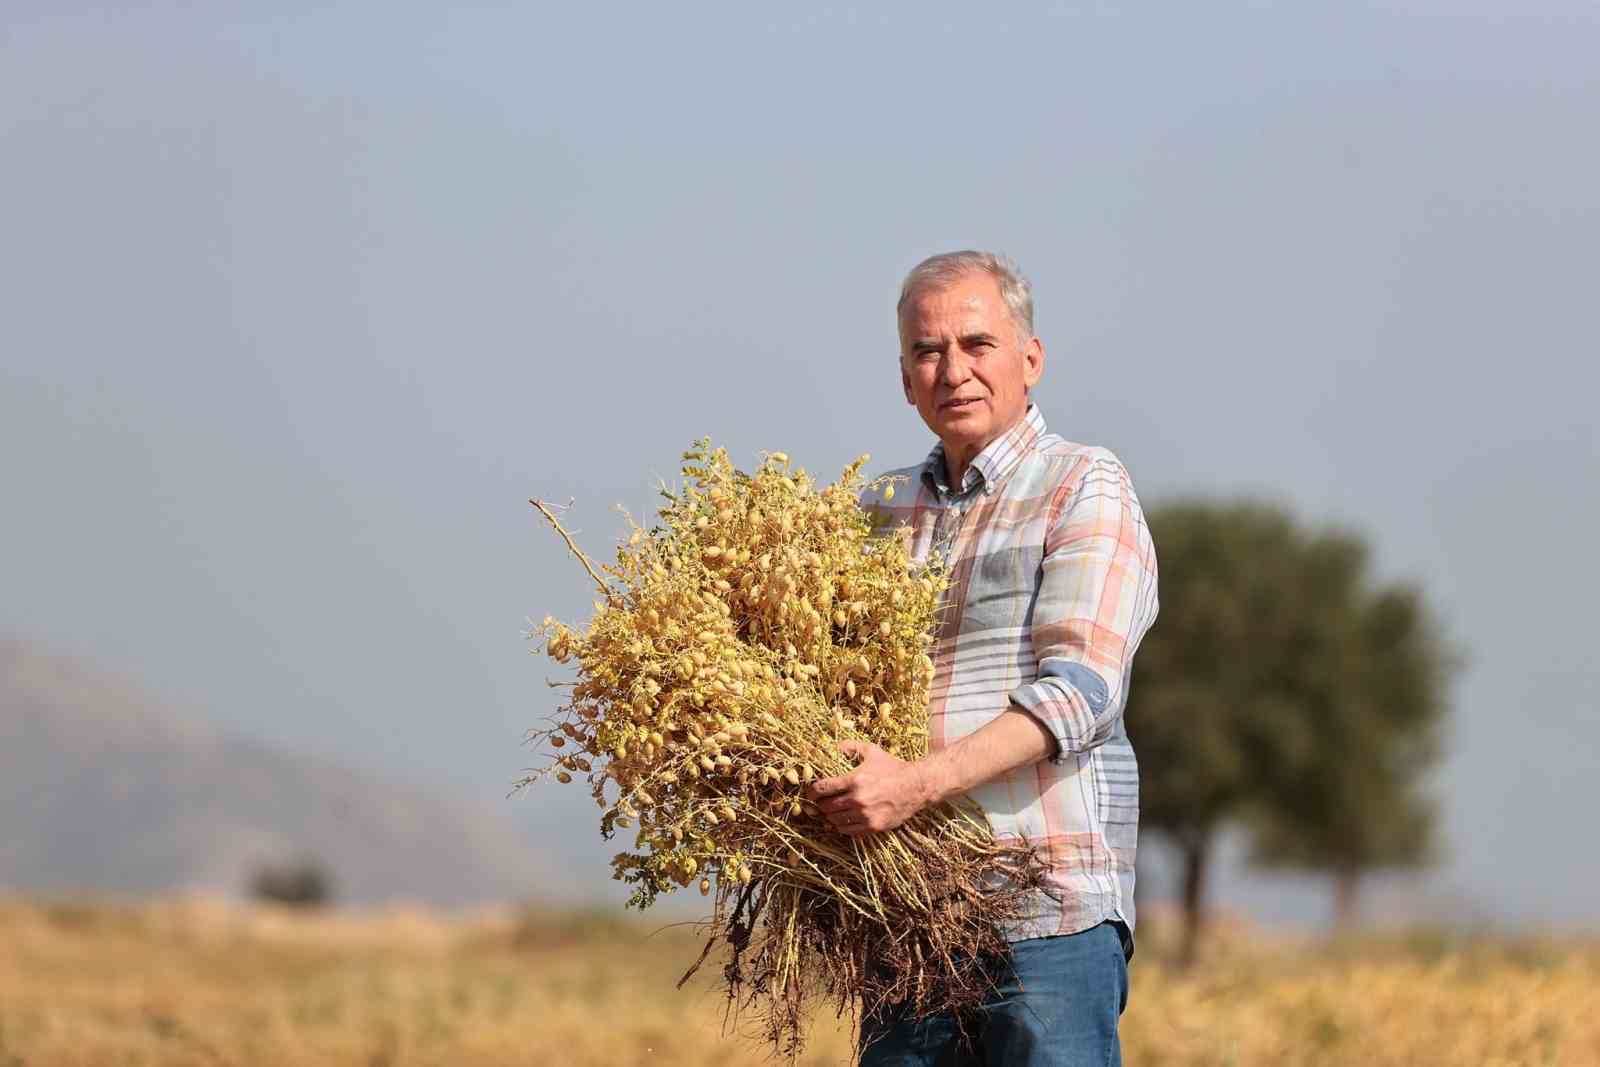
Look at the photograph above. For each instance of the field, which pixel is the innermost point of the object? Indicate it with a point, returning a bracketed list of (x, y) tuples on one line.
[(204, 982)]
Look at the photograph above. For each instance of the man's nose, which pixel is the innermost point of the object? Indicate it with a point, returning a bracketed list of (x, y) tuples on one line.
[(953, 369)]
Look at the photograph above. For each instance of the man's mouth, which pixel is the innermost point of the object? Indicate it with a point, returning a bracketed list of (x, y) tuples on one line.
[(957, 405)]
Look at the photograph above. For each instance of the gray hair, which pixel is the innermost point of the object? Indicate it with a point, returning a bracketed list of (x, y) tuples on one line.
[(947, 268)]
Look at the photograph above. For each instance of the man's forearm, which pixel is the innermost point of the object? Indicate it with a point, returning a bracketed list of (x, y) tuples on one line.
[(1013, 739)]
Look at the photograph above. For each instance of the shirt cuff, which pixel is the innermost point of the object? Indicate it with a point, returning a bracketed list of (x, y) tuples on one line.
[(1067, 700)]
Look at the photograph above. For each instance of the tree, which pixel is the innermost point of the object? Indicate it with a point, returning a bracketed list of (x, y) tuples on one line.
[(1259, 653), (297, 883), (1361, 808)]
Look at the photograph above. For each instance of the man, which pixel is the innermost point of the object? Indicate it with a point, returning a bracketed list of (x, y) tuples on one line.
[(1053, 585)]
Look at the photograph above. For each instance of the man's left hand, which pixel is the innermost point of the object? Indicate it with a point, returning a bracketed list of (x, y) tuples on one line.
[(880, 794)]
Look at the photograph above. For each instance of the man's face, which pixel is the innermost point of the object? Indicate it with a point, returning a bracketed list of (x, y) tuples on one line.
[(963, 365)]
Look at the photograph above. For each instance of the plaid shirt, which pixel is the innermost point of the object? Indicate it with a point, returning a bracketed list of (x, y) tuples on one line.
[(1053, 585)]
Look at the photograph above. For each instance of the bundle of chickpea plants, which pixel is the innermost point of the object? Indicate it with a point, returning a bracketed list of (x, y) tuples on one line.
[(735, 645)]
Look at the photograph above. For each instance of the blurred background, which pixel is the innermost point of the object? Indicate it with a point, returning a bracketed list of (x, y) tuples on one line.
[(303, 302)]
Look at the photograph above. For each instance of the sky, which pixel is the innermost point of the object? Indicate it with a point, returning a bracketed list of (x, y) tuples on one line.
[(304, 302)]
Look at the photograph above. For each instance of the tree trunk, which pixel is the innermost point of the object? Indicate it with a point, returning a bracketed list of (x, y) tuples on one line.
[(1196, 858), (1140, 890), (1346, 890)]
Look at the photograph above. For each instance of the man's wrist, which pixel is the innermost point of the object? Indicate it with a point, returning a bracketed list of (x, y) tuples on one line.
[(932, 780)]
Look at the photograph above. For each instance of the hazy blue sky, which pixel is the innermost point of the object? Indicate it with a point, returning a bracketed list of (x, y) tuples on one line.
[(302, 303)]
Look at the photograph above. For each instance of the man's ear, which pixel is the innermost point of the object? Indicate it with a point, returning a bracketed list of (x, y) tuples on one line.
[(1032, 362), (905, 383)]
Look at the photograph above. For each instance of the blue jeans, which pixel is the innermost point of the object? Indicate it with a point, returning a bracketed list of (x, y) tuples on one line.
[(1056, 1005)]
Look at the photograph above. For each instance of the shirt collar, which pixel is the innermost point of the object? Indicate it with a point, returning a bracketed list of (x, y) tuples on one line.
[(990, 466)]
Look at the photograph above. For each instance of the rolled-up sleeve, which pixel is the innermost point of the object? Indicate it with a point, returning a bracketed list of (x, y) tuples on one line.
[(1096, 600)]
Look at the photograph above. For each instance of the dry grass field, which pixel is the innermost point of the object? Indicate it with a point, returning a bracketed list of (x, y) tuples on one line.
[(204, 982)]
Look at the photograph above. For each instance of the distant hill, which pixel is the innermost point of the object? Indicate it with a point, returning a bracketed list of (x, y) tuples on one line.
[(102, 789)]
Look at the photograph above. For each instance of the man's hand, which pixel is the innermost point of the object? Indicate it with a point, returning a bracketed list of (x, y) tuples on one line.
[(880, 794)]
